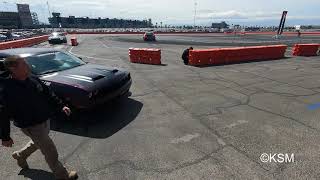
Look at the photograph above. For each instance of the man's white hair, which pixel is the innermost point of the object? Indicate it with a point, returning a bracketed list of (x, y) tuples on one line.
[(12, 61)]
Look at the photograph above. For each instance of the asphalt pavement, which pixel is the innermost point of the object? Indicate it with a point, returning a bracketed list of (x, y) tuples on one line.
[(184, 122)]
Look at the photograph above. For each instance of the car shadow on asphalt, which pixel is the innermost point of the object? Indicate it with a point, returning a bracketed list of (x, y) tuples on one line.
[(37, 174), (101, 122)]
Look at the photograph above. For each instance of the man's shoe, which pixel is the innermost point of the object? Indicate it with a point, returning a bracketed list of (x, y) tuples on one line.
[(71, 176), (22, 162)]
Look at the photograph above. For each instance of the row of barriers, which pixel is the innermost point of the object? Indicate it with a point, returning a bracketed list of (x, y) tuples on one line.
[(23, 42), (219, 56), (145, 56)]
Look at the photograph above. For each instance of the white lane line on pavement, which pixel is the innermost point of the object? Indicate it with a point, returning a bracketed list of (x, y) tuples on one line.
[(90, 57), (185, 138), (221, 141), (109, 47), (239, 122)]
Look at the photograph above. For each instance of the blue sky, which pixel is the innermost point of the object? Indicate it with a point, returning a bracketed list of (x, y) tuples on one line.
[(244, 12)]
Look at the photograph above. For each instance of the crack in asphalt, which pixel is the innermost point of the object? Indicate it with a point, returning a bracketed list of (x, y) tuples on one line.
[(78, 147), (145, 94)]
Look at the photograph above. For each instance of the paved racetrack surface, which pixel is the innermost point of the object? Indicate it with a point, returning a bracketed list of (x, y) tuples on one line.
[(184, 122)]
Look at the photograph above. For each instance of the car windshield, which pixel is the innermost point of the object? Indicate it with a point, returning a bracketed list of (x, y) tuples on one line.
[(52, 62)]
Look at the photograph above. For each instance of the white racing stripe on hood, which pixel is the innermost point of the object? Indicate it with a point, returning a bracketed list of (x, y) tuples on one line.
[(51, 75), (80, 79)]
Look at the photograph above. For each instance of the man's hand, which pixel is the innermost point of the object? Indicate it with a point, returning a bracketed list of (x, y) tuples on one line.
[(8, 143), (66, 110)]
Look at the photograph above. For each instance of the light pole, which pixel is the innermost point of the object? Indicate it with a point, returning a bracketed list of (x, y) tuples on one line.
[(195, 13)]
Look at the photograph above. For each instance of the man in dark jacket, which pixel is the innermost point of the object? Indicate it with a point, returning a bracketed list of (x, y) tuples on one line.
[(30, 103), (185, 55)]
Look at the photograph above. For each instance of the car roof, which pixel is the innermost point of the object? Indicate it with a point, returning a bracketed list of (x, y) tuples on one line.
[(29, 51)]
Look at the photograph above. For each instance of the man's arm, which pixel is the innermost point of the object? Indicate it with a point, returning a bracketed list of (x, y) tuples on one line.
[(5, 125), (52, 97), (4, 118)]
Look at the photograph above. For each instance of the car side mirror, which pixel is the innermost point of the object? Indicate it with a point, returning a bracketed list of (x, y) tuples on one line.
[(80, 58)]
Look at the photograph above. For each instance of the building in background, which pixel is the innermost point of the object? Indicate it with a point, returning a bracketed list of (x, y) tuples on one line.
[(23, 18), (35, 19), (149, 22), (85, 22), (25, 15), (221, 25), (9, 20)]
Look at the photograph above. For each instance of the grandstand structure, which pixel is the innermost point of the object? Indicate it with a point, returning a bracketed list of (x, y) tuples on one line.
[(57, 21)]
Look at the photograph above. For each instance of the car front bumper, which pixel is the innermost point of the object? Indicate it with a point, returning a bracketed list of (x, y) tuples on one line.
[(149, 39), (106, 97), (56, 40), (117, 93)]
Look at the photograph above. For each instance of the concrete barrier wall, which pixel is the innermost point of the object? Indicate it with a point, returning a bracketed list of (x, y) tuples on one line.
[(236, 55), (145, 56), (23, 42), (306, 50)]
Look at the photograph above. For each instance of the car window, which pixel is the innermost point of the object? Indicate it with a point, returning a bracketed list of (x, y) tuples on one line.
[(52, 62)]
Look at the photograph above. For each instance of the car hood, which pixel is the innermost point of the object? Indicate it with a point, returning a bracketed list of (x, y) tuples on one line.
[(83, 76)]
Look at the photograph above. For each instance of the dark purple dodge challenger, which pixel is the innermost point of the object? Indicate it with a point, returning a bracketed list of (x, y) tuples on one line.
[(82, 85)]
